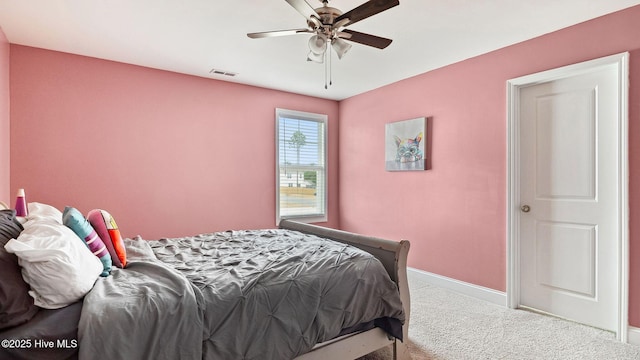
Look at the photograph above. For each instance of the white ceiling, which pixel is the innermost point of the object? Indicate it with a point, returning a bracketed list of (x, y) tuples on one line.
[(194, 36)]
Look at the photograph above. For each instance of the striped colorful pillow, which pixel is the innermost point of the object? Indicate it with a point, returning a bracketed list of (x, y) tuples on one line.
[(74, 220), (107, 229)]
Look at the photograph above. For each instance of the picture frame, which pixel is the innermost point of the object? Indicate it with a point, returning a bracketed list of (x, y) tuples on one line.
[(405, 145)]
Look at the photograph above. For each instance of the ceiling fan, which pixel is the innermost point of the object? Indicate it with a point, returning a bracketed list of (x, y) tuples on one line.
[(327, 24)]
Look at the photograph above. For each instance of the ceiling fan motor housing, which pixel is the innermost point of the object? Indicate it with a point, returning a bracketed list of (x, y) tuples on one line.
[(327, 17)]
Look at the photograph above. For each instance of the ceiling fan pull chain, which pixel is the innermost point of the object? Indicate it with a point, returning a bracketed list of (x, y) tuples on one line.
[(325, 70), (330, 65), (327, 67)]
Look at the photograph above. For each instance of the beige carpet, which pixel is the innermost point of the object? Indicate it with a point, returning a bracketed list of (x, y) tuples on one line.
[(447, 325)]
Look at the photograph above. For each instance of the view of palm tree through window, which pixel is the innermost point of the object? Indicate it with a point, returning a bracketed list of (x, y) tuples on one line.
[(301, 165)]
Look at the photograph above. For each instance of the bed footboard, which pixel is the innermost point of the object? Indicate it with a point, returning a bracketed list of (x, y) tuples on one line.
[(393, 256)]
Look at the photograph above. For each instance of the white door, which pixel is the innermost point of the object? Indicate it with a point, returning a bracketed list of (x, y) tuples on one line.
[(570, 186)]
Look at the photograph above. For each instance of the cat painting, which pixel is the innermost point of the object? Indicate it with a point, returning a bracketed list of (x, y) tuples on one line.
[(405, 145), (408, 149)]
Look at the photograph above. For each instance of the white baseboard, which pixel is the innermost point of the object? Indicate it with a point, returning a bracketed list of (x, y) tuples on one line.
[(480, 292), (483, 293), (633, 335)]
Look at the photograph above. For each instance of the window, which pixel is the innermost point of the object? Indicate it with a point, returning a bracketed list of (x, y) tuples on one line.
[(301, 172)]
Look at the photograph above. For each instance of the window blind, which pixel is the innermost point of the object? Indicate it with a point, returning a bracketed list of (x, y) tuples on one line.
[(301, 171)]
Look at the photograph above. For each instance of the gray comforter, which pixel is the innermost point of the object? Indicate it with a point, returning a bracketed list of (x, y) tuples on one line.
[(255, 294)]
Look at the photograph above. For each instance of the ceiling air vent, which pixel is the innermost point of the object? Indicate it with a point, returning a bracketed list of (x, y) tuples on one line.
[(222, 72)]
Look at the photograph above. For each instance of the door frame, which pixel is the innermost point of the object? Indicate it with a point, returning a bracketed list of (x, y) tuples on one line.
[(513, 177)]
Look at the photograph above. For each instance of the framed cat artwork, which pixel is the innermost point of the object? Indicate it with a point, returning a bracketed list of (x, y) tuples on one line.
[(405, 145)]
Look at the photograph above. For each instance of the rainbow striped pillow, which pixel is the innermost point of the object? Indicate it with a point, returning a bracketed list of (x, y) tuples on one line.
[(107, 229), (74, 220)]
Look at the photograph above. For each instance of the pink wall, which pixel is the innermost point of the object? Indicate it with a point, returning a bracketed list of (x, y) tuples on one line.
[(4, 119), (454, 213), (167, 154)]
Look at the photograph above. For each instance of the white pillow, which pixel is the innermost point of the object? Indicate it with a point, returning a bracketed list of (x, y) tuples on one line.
[(39, 211), (55, 262)]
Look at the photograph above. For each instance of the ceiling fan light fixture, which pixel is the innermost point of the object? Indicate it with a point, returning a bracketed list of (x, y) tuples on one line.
[(318, 44), (340, 46), (319, 58)]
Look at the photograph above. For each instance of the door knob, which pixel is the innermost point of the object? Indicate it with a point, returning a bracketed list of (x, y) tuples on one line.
[(525, 208)]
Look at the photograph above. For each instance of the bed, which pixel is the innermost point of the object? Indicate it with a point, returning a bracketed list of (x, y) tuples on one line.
[(300, 291)]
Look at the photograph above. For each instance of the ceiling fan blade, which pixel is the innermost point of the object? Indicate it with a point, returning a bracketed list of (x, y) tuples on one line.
[(305, 9), (365, 10), (365, 39), (264, 34)]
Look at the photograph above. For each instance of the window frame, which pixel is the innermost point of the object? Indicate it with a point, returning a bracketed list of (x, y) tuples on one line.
[(322, 119)]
